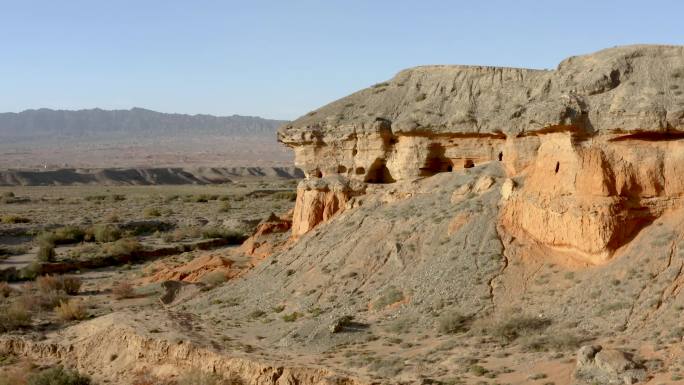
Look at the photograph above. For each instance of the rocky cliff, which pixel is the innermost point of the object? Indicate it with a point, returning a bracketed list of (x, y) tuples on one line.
[(593, 147)]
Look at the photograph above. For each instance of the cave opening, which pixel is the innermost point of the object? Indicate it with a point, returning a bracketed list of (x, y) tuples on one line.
[(360, 171), (341, 169), (378, 173), (468, 163), (557, 167), (436, 161), (500, 156)]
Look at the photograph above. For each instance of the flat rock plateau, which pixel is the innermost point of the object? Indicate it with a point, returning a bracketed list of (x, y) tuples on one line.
[(457, 225)]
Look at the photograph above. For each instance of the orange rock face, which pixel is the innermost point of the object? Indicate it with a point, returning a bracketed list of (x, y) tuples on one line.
[(195, 270), (319, 200), (592, 195)]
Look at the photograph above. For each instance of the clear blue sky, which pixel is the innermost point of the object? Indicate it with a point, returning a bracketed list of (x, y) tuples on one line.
[(279, 58)]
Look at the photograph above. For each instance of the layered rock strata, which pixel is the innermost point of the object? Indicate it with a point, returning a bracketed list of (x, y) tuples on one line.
[(594, 147)]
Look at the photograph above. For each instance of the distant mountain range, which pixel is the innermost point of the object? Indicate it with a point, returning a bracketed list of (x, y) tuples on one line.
[(136, 122)]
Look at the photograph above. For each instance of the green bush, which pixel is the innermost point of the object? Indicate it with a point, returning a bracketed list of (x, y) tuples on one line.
[(11, 219), (151, 212), (61, 236), (232, 236), (106, 233), (58, 376), (46, 253), (126, 246)]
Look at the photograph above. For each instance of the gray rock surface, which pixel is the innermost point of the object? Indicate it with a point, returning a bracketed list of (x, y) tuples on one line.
[(629, 88)]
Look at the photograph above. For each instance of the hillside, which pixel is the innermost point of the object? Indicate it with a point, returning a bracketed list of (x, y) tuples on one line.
[(457, 225)]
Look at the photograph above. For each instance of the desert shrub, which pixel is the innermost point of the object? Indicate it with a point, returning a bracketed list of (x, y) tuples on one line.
[(292, 317), (232, 236), (105, 233), (46, 253), (14, 316), (123, 290), (48, 283), (72, 285), (557, 342), (68, 234), (388, 296), (7, 194), (389, 367), (452, 322), (225, 207), (5, 290), (214, 278), (58, 376), (30, 271), (10, 219), (507, 330), (151, 212), (126, 246), (71, 310)]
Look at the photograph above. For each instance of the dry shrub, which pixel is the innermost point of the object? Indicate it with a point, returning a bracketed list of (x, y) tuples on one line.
[(122, 290), (58, 375), (70, 310), (14, 316), (5, 290), (121, 247), (48, 283), (70, 285), (214, 278)]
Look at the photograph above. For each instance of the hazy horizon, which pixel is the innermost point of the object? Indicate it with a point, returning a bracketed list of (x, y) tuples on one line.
[(280, 60)]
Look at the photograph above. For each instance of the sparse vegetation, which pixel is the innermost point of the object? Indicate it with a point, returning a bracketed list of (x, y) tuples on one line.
[(14, 316), (390, 295), (507, 330), (232, 236), (123, 290), (71, 310), (292, 317), (12, 219), (452, 322), (151, 212), (58, 376)]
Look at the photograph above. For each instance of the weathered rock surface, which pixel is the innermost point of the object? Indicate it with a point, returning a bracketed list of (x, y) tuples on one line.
[(607, 366), (598, 141), (319, 199)]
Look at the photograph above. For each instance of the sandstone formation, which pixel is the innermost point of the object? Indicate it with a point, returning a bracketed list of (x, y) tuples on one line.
[(318, 199), (594, 144)]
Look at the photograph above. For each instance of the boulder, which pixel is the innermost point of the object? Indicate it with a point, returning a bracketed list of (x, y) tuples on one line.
[(607, 366)]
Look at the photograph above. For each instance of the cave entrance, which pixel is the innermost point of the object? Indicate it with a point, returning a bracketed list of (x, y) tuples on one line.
[(500, 156), (468, 163), (436, 161), (557, 167), (378, 173)]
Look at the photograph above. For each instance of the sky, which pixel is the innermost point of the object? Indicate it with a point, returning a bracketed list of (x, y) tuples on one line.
[(280, 59)]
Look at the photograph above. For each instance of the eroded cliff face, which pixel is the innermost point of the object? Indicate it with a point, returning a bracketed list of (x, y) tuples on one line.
[(594, 148)]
